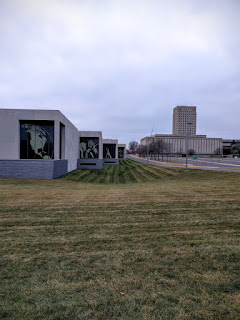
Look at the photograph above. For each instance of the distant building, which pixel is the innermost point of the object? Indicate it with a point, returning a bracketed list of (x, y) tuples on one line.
[(184, 120), (228, 144), (175, 144), (184, 123)]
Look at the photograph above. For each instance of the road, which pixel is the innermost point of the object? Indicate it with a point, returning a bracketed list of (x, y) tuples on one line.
[(217, 164)]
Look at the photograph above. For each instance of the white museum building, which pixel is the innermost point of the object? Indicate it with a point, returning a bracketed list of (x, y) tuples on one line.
[(44, 144)]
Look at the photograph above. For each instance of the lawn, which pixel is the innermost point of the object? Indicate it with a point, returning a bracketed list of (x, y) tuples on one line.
[(167, 239)]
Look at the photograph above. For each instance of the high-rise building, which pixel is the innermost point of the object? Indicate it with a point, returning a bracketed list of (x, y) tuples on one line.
[(184, 120)]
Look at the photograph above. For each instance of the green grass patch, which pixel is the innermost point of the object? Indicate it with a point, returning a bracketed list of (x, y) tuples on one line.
[(128, 171), (170, 243)]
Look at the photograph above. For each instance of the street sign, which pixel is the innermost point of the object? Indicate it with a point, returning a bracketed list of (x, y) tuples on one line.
[(194, 158)]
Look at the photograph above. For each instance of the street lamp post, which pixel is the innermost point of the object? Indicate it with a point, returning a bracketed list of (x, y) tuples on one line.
[(148, 145), (147, 149), (187, 145)]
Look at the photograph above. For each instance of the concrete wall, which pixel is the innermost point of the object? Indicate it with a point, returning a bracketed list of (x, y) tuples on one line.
[(71, 142), (184, 120), (33, 169), (110, 162), (10, 134), (90, 164)]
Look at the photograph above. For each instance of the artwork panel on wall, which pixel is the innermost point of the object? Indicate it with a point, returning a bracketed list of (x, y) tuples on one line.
[(36, 139), (120, 152), (89, 148), (109, 151)]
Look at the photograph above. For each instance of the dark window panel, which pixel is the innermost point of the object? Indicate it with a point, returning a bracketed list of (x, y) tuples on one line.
[(120, 152), (36, 139), (109, 151), (89, 148)]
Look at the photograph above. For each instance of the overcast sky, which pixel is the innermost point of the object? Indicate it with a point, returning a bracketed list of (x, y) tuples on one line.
[(121, 66)]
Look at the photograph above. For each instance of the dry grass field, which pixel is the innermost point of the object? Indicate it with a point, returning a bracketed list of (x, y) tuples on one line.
[(166, 238)]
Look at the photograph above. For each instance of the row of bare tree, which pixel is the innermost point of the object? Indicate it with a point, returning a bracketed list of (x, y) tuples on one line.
[(158, 148), (154, 149)]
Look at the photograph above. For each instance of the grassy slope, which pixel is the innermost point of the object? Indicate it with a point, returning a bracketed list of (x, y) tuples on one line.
[(172, 245), (128, 171)]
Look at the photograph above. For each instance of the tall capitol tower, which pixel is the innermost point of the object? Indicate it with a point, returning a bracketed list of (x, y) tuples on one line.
[(184, 119)]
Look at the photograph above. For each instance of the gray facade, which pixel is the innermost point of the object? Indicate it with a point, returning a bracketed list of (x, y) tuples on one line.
[(184, 120), (65, 148), (33, 169), (25, 143), (200, 144), (110, 162), (90, 164)]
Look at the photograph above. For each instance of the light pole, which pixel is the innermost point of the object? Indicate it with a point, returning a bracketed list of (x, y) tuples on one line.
[(147, 149), (187, 145), (148, 144)]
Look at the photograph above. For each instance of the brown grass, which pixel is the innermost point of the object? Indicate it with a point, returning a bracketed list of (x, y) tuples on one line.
[(69, 248)]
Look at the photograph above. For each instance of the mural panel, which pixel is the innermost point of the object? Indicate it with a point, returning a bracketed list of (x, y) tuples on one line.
[(109, 151), (36, 139), (120, 152), (89, 148)]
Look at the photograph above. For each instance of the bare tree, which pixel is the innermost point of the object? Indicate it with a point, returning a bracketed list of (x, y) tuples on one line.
[(142, 150), (160, 147), (235, 148), (191, 152), (155, 149), (151, 149), (218, 151), (132, 146)]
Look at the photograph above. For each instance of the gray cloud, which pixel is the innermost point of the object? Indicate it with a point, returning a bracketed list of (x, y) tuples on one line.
[(121, 66)]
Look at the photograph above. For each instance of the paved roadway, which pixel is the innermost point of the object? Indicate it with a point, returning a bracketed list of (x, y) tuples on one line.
[(217, 164)]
